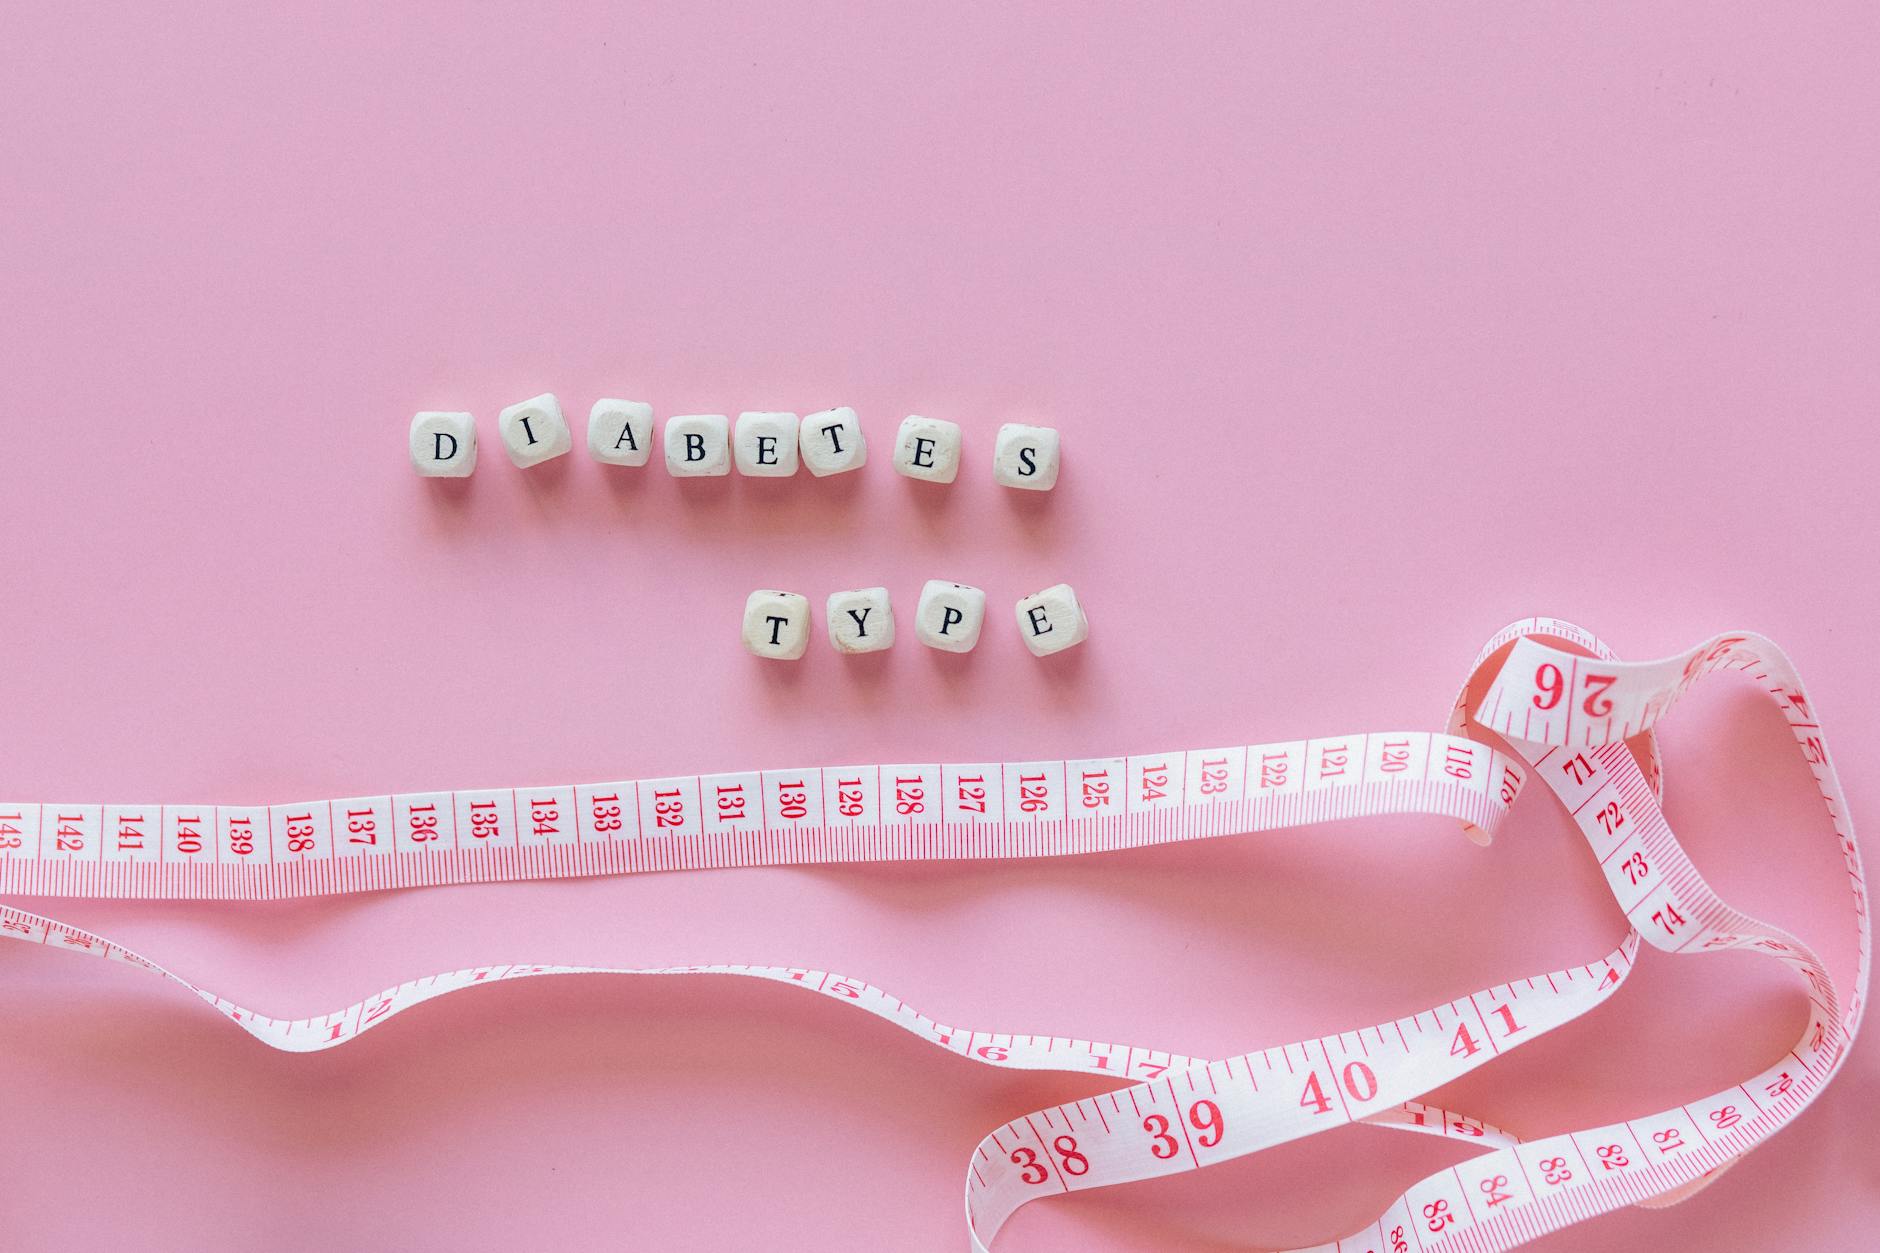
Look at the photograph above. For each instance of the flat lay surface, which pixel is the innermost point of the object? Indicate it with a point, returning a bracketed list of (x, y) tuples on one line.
[(1366, 332)]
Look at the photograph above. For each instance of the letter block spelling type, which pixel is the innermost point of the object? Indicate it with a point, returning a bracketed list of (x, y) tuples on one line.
[(1052, 621), (861, 621), (832, 442), (534, 431), (928, 448), (949, 616), (776, 624), (620, 432), (765, 445), (443, 445), (698, 445), (1026, 457)]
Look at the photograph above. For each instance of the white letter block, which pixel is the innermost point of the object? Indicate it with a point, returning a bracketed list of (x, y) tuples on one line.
[(697, 445), (928, 448), (534, 431), (765, 445), (444, 445), (1026, 456), (949, 616), (861, 621), (620, 432), (776, 624), (833, 443), (1052, 621)]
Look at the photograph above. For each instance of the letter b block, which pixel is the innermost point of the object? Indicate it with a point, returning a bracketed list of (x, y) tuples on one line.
[(698, 445)]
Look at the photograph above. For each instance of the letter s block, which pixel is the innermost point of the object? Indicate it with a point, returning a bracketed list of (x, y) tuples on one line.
[(1026, 457)]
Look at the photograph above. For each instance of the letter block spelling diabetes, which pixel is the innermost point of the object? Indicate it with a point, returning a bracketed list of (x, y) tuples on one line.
[(928, 448), (443, 445), (534, 431), (832, 442), (620, 432), (698, 445), (1026, 457), (765, 445)]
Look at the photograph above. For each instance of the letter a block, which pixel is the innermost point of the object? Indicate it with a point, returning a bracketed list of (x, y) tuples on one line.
[(620, 432)]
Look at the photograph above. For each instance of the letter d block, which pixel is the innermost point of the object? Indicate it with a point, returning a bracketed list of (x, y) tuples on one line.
[(698, 445), (1052, 621), (443, 445), (949, 616), (776, 624), (861, 621)]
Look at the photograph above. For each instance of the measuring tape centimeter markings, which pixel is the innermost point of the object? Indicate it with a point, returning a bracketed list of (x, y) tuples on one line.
[(776, 817), (1507, 1195)]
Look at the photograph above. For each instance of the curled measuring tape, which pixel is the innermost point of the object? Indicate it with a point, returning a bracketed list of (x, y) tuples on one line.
[(1571, 715)]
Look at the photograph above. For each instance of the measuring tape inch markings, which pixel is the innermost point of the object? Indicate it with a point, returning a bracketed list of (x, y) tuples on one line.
[(1566, 713)]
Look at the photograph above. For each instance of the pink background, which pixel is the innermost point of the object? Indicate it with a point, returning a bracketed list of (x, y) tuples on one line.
[(1369, 329)]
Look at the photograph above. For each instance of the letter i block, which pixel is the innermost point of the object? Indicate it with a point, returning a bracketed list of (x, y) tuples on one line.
[(443, 445), (776, 624), (861, 621), (698, 445), (534, 431)]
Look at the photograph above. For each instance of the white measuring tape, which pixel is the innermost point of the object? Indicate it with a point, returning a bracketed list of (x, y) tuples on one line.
[(1565, 716)]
